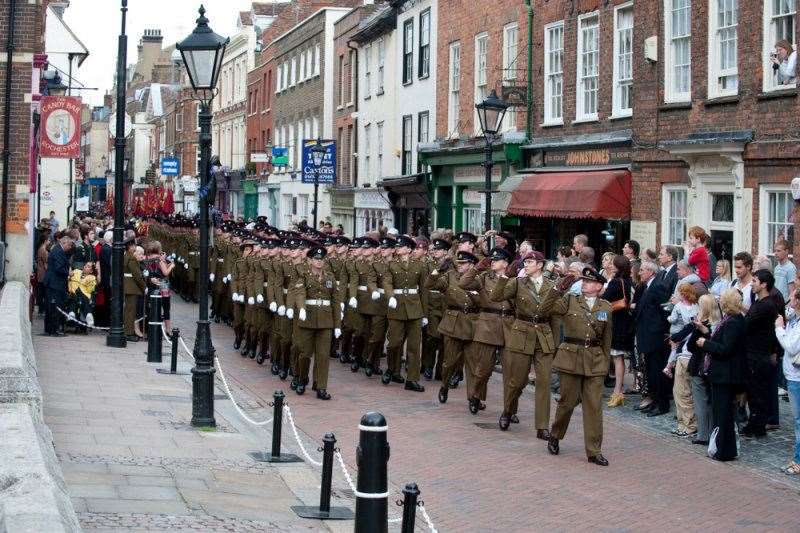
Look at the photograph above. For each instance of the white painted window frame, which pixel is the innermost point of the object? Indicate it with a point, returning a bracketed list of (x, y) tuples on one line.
[(581, 115), (715, 70), (666, 190), (549, 116), (670, 94), (764, 190), (617, 110)]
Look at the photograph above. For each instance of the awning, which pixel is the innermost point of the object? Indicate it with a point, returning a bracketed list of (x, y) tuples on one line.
[(592, 194), (407, 192)]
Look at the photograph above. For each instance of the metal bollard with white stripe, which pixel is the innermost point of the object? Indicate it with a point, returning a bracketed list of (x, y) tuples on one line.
[(372, 494), (154, 329)]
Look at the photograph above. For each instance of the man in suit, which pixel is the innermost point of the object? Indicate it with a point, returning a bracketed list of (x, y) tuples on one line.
[(55, 281), (668, 259), (651, 330)]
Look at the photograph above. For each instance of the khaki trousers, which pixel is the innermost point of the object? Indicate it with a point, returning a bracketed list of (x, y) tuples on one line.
[(682, 392), (410, 333), (516, 369), (315, 343), (454, 350), (588, 391), (129, 314), (479, 360)]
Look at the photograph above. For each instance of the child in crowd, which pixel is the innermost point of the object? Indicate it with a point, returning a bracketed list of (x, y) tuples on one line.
[(683, 313), (81, 285)]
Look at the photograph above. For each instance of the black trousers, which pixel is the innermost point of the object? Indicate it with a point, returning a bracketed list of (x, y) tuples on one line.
[(759, 383), (658, 384), (722, 412), (53, 319)]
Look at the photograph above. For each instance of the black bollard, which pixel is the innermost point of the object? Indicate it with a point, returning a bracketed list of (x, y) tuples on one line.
[(277, 424), (372, 456), (173, 362), (154, 329), (324, 511), (409, 503)]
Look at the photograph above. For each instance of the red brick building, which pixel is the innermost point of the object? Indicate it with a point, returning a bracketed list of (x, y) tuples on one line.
[(716, 133)]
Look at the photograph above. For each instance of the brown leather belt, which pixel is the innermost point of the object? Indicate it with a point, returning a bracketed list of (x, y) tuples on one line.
[(501, 312), (582, 342), (535, 319), (463, 309)]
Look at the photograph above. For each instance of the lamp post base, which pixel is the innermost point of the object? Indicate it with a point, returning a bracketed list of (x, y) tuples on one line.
[(203, 378), (116, 339)]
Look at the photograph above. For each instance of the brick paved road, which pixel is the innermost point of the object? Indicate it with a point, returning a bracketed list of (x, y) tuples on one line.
[(478, 479)]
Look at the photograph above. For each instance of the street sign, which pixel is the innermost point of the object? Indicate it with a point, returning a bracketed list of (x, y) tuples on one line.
[(280, 156), (170, 166), (259, 157), (327, 170)]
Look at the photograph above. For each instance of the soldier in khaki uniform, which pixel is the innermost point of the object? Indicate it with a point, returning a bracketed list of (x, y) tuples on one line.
[(489, 331), (582, 362), (367, 308), (432, 347), (528, 340), (459, 316), (377, 335), (402, 282), (134, 288), (350, 251), (238, 279), (318, 318)]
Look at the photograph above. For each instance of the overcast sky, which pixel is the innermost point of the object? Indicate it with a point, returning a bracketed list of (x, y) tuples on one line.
[(97, 24)]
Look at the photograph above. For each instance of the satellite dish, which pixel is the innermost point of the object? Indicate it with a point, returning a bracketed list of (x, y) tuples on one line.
[(112, 125)]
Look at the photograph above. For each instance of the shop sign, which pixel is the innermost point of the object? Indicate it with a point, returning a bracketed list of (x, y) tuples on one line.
[(587, 158), (643, 232), (475, 173), (60, 127), (326, 173)]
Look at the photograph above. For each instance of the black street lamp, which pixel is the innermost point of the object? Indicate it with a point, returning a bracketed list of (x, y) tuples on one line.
[(317, 155), (116, 335), (202, 53), (490, 112)]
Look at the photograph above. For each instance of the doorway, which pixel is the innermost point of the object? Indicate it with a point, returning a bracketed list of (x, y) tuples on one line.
[(721, 224)]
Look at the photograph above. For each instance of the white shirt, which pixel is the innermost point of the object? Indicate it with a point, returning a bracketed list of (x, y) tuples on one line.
[(787, 69), (537, 282), (746, 291), (590, 301), (789, 337)]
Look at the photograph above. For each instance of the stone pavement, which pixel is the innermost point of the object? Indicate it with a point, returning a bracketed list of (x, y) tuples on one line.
[(133, 462), (475, 478)]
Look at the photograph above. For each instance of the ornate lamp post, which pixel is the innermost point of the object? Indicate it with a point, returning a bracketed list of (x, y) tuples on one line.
[(317, 155), (202, 53), (490, 113)]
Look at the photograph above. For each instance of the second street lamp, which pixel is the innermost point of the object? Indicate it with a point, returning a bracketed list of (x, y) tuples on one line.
[(490, 113), (202, 53), (317, 156)]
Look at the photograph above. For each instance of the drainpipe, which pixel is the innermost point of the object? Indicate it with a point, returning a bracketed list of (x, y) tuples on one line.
[(7, 118), (529, 103), (353, 160), (70, 57)]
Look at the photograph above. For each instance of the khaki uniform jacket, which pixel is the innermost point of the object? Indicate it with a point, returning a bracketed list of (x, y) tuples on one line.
[(310, 287), (375, 283), (361, 281), (459, 313), (400, 277), (433, 296), (338, 267), (133, 280), (593, 325), (490, 328), (293, 298), (526, 334)]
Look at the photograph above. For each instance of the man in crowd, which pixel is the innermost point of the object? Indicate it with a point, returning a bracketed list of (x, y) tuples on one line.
[(55, 281), (743, 267), (651, 330), (785, 272)]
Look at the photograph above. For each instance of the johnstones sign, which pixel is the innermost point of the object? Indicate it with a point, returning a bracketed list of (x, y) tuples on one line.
[(60, 130)]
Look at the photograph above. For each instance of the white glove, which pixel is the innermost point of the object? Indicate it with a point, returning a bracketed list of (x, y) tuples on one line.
[(273, 307), (393, 303), (251, 301), (242, 298), (282, 310), (424, 322), (337, 333), (146, 273), (235, 296), (260, 298), (353, 302), (89, 319), (290, 313), (186, 266), (230, 277), (225, 279), (211, 277), (376, 295), (341, 307), (302, 314)]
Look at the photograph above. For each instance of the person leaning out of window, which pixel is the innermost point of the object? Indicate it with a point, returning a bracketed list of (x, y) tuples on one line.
[(784, 62)]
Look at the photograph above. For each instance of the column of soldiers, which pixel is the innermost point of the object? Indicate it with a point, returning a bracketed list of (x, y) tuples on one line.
[(436, 309)]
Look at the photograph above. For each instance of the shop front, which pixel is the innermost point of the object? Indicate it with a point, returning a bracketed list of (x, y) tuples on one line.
[(410, 200), (373, 210), (250, 192), (458, 180), (342, 208), (575, 185)]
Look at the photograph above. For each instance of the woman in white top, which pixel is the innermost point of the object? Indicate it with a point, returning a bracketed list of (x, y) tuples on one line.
[(789, 337), (723, 279), (784, 62)]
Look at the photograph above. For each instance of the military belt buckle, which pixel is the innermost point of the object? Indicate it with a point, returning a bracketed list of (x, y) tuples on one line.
[(587, 343)]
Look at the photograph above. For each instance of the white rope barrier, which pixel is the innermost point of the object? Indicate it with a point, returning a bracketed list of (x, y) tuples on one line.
[(166, 335), (427, 519), (297, 437), (72, 318), (233, 401)]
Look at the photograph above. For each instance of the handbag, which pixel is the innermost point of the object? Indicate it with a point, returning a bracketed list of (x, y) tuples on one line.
[(622, 303)]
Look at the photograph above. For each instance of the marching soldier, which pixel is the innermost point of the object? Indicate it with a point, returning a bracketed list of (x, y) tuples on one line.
[(402, 282), (432, 348), (366, 306), (458, 318), (582, 362), (528, 341), (318, 317), (377, 336), (238, 279), (350, 251), (494, 320)]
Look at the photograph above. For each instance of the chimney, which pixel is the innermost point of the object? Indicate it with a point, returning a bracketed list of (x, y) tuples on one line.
[(59, 7)]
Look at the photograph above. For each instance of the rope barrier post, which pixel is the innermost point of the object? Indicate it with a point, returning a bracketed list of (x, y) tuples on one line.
[(325, 511), (277, 424), (410, 496), (154, 329), (372, 457), (173, 362)]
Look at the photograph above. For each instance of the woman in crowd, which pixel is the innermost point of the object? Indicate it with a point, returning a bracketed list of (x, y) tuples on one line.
[(697, 253), (784, 62), (789, 337), (156, 270), (620, 293), (723, 279), (724, 364), (41, 269), (606, 265), (137, 326), (706, 321), (631, 250)]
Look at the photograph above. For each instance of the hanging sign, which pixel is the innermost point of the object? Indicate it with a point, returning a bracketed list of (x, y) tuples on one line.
[(60, 131)]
